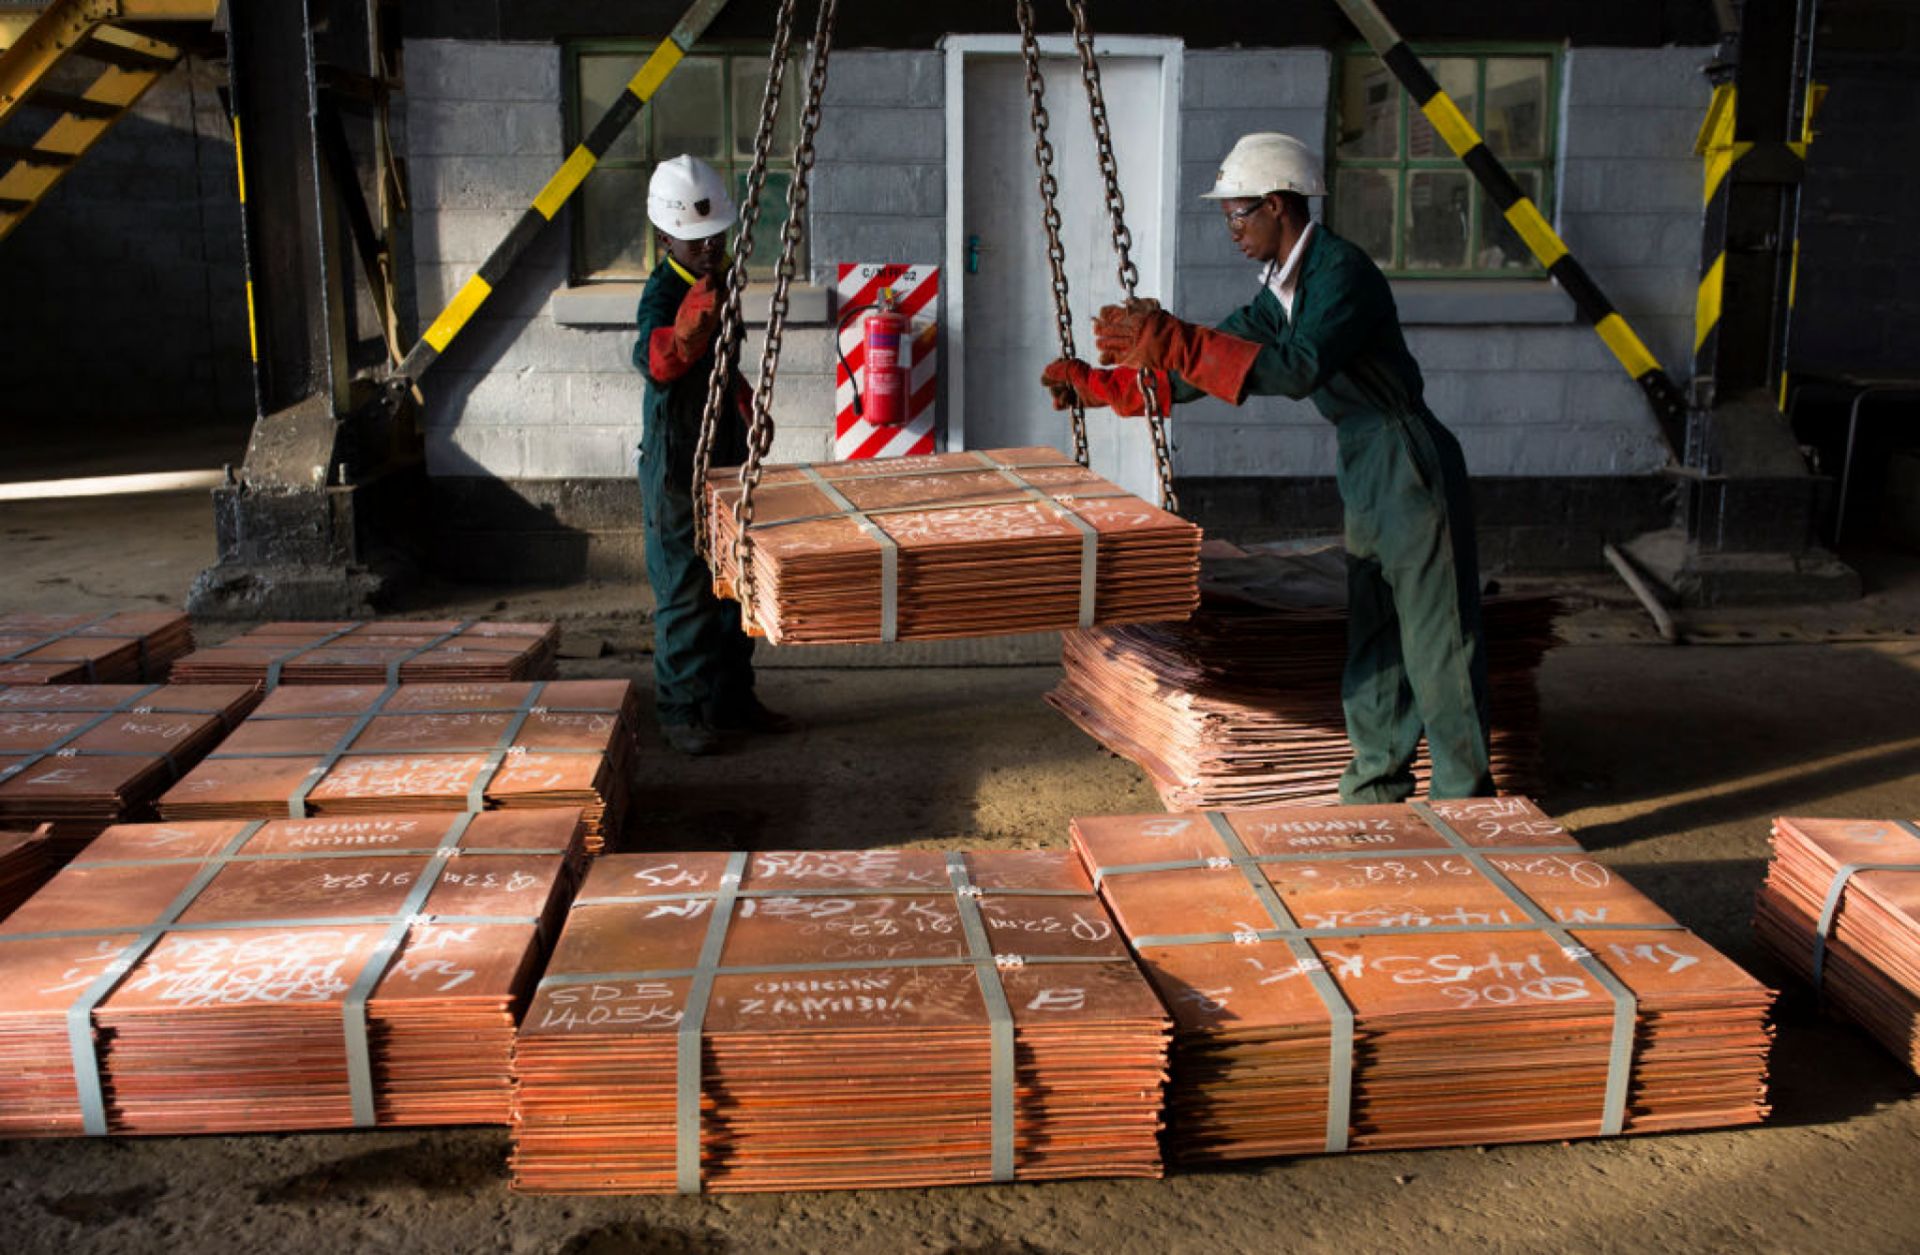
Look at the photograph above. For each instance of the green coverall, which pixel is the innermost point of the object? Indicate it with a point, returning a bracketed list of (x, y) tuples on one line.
[(1416, 657), (702, 661)]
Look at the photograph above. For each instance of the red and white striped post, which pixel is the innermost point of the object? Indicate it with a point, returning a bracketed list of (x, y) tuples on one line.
[(917, 296)]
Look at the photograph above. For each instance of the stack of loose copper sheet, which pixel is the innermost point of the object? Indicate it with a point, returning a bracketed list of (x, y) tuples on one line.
[(819, 1020), (362, 750), (1240, 705), (26, 861), (953, 544), (1841, 904), (91, 649), (1371, 977), (82, 756), (402, 652), (282, 975)]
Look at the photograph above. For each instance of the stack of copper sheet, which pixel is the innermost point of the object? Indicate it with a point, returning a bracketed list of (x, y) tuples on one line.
[(952, 544), (1841, 904), (361, 750), (91, 648), (377, 653), (279, 975), (82, 756), (836, 1020), (1240, 705), (1371, 977), (26, 860)]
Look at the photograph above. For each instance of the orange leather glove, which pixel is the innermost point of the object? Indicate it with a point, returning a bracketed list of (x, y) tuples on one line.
[(1117, 389), (1143, 335), (698, 319)]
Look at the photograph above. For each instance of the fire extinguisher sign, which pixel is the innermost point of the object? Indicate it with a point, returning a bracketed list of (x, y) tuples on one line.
[(916, 295)]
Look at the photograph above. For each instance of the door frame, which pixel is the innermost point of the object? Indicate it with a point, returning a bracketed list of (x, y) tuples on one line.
[(1158, 278)]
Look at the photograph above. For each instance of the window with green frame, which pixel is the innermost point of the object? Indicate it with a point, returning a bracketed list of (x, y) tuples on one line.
[(1398, 190), (710, 107)]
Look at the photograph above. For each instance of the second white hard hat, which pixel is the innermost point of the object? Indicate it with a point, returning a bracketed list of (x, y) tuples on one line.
[(688, 200), (1267, 161)]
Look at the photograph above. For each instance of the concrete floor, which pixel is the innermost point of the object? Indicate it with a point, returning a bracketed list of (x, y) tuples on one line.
[(1668, 762)]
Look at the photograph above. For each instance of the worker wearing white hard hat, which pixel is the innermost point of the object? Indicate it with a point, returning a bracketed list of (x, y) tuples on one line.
[(1323, 327), (702, 661)]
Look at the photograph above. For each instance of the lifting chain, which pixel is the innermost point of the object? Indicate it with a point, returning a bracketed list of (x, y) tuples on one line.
[(1123, 246), (726, 355), (1050, 211), (760, 431)]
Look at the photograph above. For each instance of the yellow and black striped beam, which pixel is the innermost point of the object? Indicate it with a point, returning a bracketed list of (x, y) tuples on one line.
[(1669, 406), (565, 180)]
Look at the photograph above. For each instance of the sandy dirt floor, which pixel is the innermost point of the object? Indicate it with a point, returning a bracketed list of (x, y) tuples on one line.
[(1668, 762)]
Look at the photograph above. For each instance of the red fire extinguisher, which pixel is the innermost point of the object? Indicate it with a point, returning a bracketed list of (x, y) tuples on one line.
[(889, 361)]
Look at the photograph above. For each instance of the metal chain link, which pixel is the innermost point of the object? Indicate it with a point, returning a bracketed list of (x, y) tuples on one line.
[(1050, 212), (1123, 246), (726, 354), (760, 431)]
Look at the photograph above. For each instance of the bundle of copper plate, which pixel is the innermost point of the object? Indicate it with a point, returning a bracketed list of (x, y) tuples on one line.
[(82, 756), (821, 1020), (266, 976), (362, 750), (1841, 905), (26, 861), (946, 545), (399, 652), (91, 648), (1240, 705), (1372, 977)]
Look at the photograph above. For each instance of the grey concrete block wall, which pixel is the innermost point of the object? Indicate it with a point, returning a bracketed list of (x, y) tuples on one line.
[(126, 288), (879, 188)]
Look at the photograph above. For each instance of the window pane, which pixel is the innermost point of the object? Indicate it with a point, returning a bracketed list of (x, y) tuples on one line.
[(1516, 127), (613, 222), (749, 89), (766, 228), (1369, 110), (686, 111), (603, 76), (1364, 202), (1436, 220), (1501, 247), (1456, 76)]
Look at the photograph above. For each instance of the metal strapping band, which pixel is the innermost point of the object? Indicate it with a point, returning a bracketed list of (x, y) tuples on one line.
[(1830, 908), (20, 654), (940, 891), (999, 1018), (279, 663), (297, 803), (477, 791), (86, 1060), (1613, 1114), (562, 980), (393, 668), (955, 503), (1089, 535), (1191, 864), (1372, 930), (686, 1150), (504, 708), (353, 1011), (13, 769), (1339, 1013), (301, 856), (889, 554)]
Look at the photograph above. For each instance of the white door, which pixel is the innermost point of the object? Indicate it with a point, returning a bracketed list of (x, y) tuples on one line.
[(1010, 333)]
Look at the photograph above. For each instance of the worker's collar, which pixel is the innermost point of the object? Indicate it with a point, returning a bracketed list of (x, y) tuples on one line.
[(1288, 271), (682, 271)]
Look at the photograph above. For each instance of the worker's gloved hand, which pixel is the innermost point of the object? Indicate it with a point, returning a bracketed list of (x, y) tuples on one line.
[(698, 319), (1143, 335), (1118, 389)]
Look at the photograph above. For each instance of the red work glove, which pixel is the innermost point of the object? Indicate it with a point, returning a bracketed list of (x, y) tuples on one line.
[(672, 351), (1142, 334), (1118, 389)]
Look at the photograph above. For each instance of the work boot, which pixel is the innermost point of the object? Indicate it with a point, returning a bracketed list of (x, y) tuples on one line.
[(695, 739), (756, 718)]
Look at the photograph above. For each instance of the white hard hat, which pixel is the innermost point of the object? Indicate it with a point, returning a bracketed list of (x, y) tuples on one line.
[(688, 200), (1267, 161)]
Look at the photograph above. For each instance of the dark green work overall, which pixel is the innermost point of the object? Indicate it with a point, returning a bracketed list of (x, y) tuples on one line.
[(1416, 658), (702, 661)]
